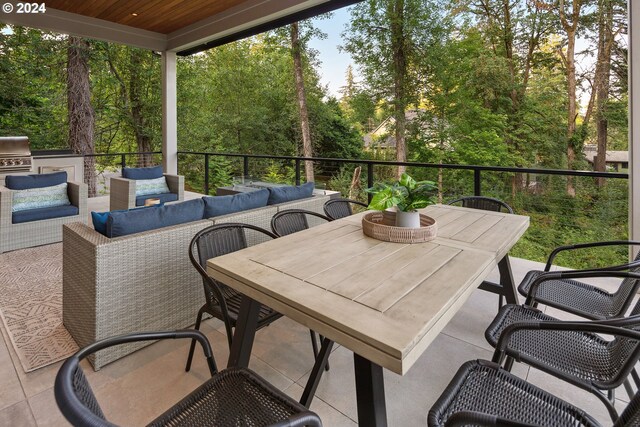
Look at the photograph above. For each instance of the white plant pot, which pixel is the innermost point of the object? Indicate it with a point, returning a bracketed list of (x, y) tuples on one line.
[(408, 219)]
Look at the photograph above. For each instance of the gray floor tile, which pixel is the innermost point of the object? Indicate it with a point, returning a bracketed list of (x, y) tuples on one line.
[(17, 415), (11, 389), (45, 410), (328, 414)]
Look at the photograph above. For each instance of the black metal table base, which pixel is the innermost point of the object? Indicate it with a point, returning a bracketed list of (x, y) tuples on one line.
[(372, 409), (507, 286)]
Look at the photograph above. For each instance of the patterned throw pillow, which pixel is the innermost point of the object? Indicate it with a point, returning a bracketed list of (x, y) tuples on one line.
[(145, 187), (43, 197)]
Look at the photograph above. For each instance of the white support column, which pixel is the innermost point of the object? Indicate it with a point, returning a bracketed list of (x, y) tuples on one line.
[(634, 120), (169, 113)]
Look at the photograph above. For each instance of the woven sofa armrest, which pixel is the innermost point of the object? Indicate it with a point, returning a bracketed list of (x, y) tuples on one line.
[(175, 184), (84, 233), (6, 202), (122, 194)]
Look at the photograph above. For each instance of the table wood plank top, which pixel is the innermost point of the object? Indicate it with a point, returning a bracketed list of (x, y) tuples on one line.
[(385, 301)]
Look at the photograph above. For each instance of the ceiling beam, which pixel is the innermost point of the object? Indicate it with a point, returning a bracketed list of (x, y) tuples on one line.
[(246, 15), (249, 18), (85, 26), (253, 21)]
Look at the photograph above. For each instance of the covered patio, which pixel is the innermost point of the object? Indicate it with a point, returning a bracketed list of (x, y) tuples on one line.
[(134, 390)]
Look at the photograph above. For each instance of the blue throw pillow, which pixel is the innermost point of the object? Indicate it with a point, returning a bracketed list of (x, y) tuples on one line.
[(139, 220), (99, 220), (289, 193), (25, 182), (142, 173), (222, 205)]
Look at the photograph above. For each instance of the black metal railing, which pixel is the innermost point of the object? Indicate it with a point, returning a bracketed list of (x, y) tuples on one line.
[(370, 165)]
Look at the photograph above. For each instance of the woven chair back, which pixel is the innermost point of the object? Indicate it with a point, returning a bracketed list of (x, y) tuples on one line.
[(291, 221), (340, 208), (483, 203)]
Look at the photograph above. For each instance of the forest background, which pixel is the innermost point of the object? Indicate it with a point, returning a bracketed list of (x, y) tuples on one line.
[(520, 83)]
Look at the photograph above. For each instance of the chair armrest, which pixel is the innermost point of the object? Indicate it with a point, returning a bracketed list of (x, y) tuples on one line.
[(122, 193), (580, 274), (66, 382), (78, 191), (615, 327), (6, 202), (152, 336), (175, 184), (559, 249)]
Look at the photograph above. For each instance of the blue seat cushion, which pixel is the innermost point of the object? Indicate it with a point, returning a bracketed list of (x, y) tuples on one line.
[(290, 192), (25, 182), (139, 220), (43, 213), (222, 205), (142, 173), (164, 198)]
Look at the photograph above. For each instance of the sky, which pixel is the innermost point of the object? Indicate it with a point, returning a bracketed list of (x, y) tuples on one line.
[(333, 67)]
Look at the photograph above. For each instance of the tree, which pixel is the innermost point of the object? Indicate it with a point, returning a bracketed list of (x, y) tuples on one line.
[(569, 20), (33, 89), (81, 114), (387, 38), (307, 145), (131, 84)]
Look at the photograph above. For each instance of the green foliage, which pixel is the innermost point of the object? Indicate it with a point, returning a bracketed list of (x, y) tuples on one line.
[(407, 194)]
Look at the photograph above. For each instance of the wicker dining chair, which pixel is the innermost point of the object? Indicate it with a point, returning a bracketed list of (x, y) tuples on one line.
[(232, 397), (580, 298), (221, 301), (595, 363), (483, 393), (289, 221), (485, 204), (340, 208)]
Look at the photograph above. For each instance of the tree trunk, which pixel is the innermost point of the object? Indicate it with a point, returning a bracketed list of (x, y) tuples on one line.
[(603, 68), (398, 47), (569, 61), (143, 139), (307, 146), (81, 114)]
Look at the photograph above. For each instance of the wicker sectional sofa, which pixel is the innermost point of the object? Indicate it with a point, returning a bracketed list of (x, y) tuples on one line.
[(139, 282)]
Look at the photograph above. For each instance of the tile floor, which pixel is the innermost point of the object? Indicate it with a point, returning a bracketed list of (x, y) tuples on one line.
[(134, 390)]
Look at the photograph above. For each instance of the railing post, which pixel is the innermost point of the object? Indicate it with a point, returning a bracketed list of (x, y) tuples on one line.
[(123, 161), (476, 182), (245, 166), (369, 180), (206, 174), (297, 171)]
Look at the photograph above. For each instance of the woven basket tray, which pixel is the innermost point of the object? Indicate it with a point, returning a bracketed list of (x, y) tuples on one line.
[(381, 226)]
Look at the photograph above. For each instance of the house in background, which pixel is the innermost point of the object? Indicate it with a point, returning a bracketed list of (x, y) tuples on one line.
[(616, 160), (383, 136)]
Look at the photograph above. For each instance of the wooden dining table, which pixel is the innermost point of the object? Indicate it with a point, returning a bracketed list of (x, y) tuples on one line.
[(384, 301)]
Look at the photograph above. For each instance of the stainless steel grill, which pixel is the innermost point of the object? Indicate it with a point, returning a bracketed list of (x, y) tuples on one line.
[(15, 154)]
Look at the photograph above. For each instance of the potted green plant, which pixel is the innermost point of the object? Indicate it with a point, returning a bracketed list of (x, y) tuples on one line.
[(407, 195)]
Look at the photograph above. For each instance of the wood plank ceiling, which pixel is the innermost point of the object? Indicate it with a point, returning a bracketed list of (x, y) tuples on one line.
[(161, 16)]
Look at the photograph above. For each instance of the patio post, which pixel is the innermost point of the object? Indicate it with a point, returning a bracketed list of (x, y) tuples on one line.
[(169, 113), (634, 117)]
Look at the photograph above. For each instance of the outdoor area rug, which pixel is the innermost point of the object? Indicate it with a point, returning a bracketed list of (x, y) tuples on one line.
[(31, 305)]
